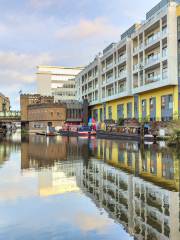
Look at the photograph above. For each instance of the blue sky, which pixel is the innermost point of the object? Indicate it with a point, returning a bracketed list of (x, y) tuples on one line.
[(57, 32)]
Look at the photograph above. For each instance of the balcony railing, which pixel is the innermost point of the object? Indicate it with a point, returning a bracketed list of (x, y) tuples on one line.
[(153, 38), (153, 79), (10, 114), (164, 31), (121, 89), (136, 67), (135, 49), (109, 79), (110, 93), (103, 81), (90, 88), (110, 65), (164, 53), (121, 58), (122, 74), (138, 48), (152, 60)]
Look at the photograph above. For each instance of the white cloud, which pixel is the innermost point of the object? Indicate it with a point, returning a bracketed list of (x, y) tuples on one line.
[(17, 68), (88, 29), (18, 71), (92, 222)]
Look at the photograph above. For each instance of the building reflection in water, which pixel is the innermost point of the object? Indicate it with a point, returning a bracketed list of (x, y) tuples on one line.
[(137, 185), (7, 146)]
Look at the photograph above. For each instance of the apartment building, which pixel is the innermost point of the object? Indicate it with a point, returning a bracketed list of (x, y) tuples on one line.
[(138, 77), (4, 103), (57, 81)]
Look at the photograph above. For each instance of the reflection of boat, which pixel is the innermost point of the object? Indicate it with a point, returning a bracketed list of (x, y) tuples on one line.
[(51, 134)]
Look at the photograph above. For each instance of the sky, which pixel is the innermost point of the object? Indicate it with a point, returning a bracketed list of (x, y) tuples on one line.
[(58, 32)]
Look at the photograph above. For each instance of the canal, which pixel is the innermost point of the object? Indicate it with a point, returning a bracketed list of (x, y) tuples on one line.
[(69, 188)]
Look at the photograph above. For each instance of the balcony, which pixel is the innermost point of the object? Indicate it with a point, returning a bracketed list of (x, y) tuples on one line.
[(103, 69), (152, 79), (135, 83), (96, 86), (135, 67), (121, 89), (138, 48), (153, 39), (122, 74), (164, 32), (121, 58), (109, 79), (90, 89), (135, 49), (103, 81), (109, 66), (164, 54), (152, 60)]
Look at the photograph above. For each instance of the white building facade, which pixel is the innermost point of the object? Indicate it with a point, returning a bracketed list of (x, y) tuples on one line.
[(137, 77), (57, 81)]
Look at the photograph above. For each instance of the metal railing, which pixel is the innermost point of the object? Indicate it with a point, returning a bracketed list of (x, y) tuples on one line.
[(10, 114)]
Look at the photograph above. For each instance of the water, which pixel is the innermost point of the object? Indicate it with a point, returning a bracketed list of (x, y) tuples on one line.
[(60, 188)]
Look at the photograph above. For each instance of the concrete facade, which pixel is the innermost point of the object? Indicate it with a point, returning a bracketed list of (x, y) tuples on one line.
[(138, 77), (57, 81)]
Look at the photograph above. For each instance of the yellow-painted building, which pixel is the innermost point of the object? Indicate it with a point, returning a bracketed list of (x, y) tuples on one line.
[(151, 164)]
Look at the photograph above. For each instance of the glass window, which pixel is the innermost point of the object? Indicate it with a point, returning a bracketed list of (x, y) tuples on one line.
[(110, 112)]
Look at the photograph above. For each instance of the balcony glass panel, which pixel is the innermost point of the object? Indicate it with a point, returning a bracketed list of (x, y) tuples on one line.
[(122, 74), (153, 38), (164, 31), (164, 52), (121, 58), (153, 59), (109, 79), (152, 79)]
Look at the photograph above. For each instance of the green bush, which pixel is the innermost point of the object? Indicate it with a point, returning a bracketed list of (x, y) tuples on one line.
[(120, 121), (175, 137)]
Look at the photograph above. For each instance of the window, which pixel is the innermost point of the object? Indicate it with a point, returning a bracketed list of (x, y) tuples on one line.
[(120, 111), (129, 110), (170, 101), (143, 105), (163, 101), (110, 112), (151, 75), (101, 114)]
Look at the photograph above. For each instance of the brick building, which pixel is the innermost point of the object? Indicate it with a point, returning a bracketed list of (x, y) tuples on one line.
[(37, 112), (46, 114)]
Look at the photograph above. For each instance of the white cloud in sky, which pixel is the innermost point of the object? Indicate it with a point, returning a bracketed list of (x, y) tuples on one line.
[(20, 68), (87, 29), (63, 28)]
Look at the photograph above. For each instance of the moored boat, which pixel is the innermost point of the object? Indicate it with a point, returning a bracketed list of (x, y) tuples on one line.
[(86, 131)]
